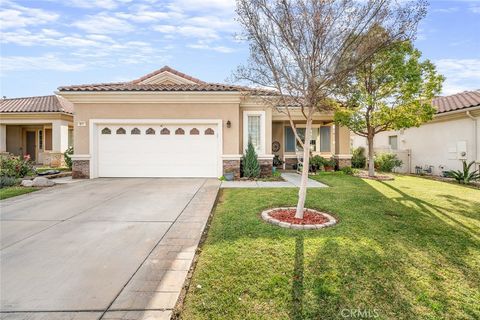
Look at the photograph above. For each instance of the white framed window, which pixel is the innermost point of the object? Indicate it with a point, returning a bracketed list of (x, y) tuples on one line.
[(254, 130)]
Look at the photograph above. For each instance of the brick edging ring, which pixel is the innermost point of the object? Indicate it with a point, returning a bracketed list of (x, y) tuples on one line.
[(266, 216)]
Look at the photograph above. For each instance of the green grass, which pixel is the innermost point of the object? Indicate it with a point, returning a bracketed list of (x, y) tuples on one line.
[(9, 192), (403, 249)]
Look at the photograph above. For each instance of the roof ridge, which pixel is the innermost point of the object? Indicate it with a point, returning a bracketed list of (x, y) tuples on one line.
[(29, 97), (171, 70)]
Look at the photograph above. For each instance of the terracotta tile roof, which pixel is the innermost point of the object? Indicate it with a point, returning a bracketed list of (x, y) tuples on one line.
[(130, 86), (458, 101), (135, 85), (36, 104), (171, 70)]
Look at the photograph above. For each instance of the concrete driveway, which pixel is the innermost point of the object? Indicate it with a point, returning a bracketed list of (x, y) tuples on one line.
[(101, 249)]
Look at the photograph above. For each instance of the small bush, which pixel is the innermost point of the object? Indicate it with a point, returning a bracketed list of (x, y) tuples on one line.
[(250, 165), (16, 166), (8, 181), (68, 157), (349, 170), (317, 162), (359, 159), (386, 162)]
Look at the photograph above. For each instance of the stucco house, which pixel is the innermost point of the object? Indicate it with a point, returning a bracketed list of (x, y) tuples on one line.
[(169, 124), (41, 127), (440, 144)]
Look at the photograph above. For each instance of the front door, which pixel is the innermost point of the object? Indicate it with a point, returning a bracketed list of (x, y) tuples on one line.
[(31, 144)]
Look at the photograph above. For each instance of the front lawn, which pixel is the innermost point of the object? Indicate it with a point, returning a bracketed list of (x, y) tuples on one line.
[(403, 249), (9, 192)]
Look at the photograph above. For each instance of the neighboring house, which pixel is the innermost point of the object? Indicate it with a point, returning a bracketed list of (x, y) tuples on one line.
[(41, 127), (168, 124), (440, 144)]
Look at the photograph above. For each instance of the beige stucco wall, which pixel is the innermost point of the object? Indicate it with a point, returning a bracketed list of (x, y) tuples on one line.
[(436, 143), (223, 111)]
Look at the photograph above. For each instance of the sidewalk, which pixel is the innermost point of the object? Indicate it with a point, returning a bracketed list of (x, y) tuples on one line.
[(292, 180)]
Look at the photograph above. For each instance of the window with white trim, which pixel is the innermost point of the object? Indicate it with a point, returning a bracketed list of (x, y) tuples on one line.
[(254, 130)]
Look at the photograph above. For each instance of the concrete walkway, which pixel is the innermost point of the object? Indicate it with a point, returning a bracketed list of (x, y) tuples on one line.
[(101, 249), (292, 180)]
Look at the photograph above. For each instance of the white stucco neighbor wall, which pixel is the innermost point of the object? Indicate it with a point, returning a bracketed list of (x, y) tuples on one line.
[(438, 143)]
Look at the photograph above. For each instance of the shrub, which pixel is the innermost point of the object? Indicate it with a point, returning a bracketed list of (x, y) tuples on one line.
[(349, 170), (7, 181), (68, 157), (317, 162), (329, 163), (386, 162), (16, 166), (465, 176), (359, 159), (250, 165)]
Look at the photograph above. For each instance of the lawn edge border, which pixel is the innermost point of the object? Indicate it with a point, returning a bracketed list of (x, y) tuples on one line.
[(266, 217), (179, 305)]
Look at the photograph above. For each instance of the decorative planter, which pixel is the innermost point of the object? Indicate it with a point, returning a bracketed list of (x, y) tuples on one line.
[(229, 176)]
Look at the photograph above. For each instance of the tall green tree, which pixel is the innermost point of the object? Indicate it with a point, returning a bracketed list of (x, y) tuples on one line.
[(391, 90)]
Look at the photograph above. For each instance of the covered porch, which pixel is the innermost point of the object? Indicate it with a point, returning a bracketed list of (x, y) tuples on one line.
[(44, 140), (328, 140)]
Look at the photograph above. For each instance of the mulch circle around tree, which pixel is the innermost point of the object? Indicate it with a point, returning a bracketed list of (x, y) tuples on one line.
[(285, 217), (378, 177)]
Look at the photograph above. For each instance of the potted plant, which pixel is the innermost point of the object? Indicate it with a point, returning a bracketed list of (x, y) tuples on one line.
[(277, 162), (229, 176), (316, 163), (329, 165)]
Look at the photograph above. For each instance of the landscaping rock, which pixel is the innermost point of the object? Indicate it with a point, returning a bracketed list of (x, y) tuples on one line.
[(42, 182), (27, 183)]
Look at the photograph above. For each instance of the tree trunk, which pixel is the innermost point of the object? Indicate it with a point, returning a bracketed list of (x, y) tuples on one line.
[(371, 163), (302, 192)]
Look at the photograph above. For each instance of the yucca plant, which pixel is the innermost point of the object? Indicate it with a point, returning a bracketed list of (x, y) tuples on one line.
[(465, 176)]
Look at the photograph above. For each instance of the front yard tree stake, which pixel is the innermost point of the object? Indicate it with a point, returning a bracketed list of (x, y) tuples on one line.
[(392, 90), (303, 50)]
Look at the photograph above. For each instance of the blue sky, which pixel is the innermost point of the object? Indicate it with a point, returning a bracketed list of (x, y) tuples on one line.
[(49, 43)]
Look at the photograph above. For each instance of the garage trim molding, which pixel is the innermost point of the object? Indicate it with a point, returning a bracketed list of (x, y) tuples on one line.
[(93, 137)]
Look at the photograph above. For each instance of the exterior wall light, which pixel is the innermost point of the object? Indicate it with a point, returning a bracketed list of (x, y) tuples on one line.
[(229, 124)]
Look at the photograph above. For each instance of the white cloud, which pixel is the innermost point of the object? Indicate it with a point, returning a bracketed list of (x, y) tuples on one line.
[(89, 4), (446, 10), (203, 5), (475, 8), (204, 46), (16, 16), (461, 74), (46, 62), (103, 23), (188, 31)]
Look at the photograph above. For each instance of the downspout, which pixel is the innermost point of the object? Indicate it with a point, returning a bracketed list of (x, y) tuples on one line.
[(475, 136)]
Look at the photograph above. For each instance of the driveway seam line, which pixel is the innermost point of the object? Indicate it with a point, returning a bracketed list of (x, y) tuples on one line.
[(154, 247)]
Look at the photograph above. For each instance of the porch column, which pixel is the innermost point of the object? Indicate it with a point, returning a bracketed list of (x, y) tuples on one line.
[(342, 156), (59, 136), (3, 138)]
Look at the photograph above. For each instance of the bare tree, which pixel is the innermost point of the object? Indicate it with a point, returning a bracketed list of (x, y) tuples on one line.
[(302, 49)]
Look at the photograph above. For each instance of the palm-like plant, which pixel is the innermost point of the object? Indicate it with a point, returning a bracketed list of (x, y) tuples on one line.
[(465, 176)]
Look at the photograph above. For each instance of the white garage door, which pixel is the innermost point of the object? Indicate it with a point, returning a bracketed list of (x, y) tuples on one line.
[(176, 150)]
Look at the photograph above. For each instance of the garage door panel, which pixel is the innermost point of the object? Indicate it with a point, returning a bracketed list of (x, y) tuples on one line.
[(157, 155)]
